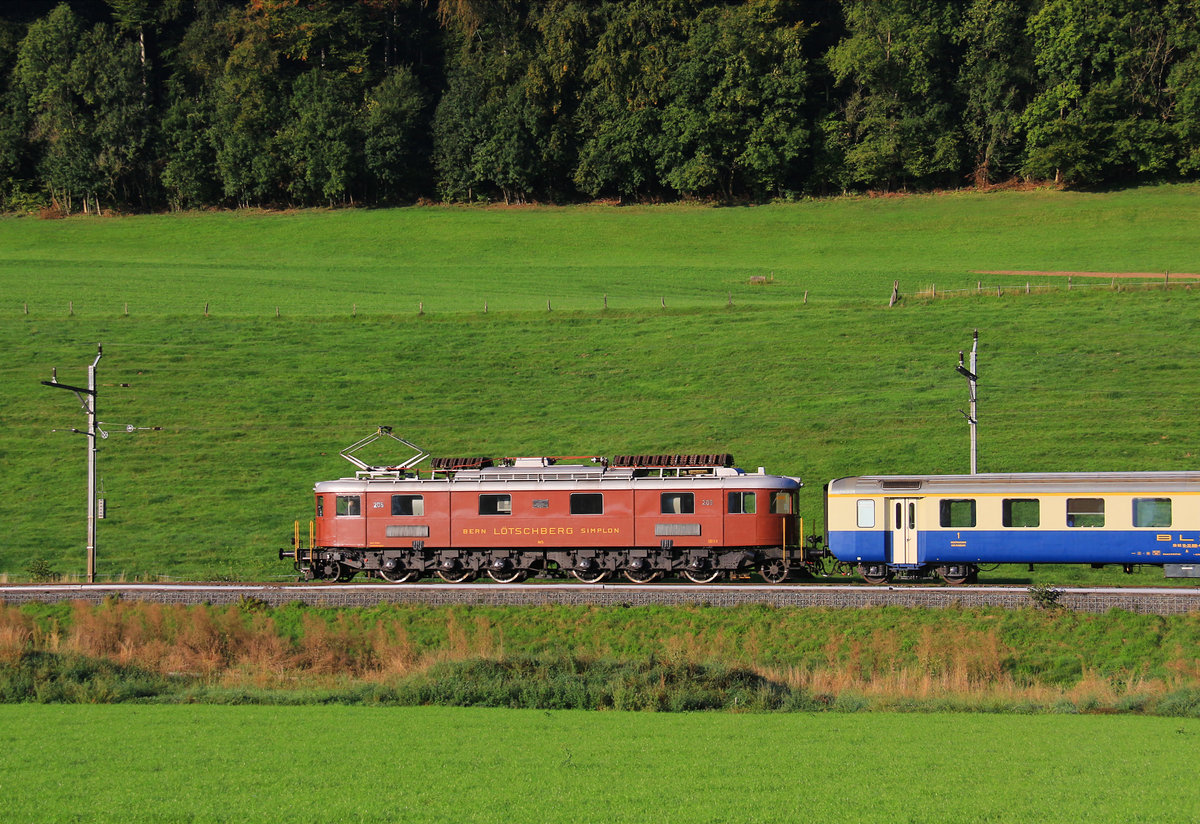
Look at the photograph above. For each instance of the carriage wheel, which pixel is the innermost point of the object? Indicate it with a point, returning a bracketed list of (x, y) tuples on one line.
[(956, 575), (875, 573)]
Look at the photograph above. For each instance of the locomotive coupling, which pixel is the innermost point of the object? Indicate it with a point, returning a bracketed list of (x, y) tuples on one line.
[(288, 554)]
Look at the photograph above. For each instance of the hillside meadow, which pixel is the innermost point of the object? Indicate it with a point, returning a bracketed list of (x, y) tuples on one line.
[(254, 406)]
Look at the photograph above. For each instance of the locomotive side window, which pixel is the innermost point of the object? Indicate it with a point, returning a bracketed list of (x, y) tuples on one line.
[(678, 503), (349, 505), (782, 503), (1022, 512), (587, 503), (741, 503), (866, 513), (495, 504), (408, 505), (1085, 512), (320, 506), (1151, 511), (957, 512)]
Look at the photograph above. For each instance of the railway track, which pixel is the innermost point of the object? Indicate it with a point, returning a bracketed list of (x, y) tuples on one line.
[(1151, 600)]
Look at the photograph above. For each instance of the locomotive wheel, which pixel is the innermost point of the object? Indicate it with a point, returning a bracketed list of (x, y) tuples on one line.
[(875, 573), (457, 575), (702, 576), (508, 575), (399, 575), (642, 576), (774, 571), (328, 570), (591, 576)]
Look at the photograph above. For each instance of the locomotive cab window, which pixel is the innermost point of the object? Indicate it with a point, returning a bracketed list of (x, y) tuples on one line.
[(782, 503), (587, 503), (1021, 512), (408, 505), (678, 503), (741, 503), (1152, 512), (1085, 512), (866, 513), (320, 506), (957, 512), (349, 505), (495, 504)]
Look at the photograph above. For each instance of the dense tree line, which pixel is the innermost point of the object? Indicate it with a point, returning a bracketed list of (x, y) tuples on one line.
[(146, 104)]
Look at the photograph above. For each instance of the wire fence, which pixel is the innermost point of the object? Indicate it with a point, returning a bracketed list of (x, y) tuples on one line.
[(1069, 283)]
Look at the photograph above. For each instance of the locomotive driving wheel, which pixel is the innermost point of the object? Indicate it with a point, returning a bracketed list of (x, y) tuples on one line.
[(591, 575), (508, 575), (399, 575), (704, 575), (646, 575), (452, 571)]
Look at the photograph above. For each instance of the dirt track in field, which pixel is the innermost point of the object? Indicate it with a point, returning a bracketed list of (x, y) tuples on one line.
[(1020, 272)]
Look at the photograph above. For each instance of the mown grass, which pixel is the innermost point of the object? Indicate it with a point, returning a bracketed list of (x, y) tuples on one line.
[(254, 408), (454, 259), (193, 763)]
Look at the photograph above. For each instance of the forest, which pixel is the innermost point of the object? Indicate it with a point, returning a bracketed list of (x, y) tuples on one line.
[(149, 105)]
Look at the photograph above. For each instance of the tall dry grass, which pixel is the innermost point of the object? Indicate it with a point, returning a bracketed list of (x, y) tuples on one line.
[(245, 646)]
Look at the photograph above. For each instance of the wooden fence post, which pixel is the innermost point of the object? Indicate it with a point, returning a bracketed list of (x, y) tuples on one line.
[(895, 293)]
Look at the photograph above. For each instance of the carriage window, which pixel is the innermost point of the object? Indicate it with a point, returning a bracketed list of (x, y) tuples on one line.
[(320, 506), (741, 503), (587, 503), (781, 503), (408, 505), (349, 505), (1151, 511), (1022, 512), (866, 513), (957, 512), (495, 504), (678, 503), (1085, 512)]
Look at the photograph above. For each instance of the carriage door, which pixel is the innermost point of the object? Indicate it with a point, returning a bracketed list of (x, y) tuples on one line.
[(902, 513)]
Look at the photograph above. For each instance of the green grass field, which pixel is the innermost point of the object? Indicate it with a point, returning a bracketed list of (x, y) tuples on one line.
[(254, 408), (453, 259), (213, 764)]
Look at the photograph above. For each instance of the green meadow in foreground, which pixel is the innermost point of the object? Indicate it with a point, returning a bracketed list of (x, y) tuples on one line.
[(319, 764), (254, 408)]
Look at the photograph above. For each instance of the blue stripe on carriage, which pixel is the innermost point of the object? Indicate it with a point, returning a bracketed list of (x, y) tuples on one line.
[(1026, 546)]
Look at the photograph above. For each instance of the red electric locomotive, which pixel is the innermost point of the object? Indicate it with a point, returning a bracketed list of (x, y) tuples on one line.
[(643, 516)]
